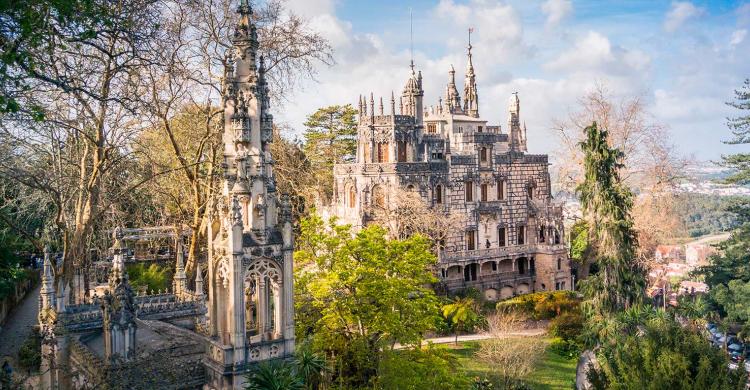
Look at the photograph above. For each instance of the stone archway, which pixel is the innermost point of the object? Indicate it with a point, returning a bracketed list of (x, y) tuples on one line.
[(263, 284)]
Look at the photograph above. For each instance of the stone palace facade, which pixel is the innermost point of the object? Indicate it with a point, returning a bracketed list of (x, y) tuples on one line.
[(511, 241), (202, 334)]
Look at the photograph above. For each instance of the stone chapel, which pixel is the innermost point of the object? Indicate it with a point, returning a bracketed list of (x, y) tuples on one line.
[(201, 335), (511, 240)]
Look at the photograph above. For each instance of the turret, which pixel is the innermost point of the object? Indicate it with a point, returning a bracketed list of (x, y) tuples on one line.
[(517, 133), (412, 97), (471, 99), (179, 284), (452, 98)]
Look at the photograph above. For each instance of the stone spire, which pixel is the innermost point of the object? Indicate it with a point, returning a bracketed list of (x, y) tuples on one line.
[(452, 98), (199, 285), (118, 308), (381, 106), (471, 99), (47, 293), (180, 279), (517, 136)]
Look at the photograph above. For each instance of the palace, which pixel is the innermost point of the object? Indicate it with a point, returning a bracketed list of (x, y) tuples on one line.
[(511, 240), (191, 337)]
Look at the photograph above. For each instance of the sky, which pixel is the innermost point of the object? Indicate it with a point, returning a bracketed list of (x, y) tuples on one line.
[(683, 58)]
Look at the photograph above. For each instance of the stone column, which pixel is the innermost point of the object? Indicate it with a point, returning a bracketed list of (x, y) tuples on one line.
[(277, 310), (262, 307)]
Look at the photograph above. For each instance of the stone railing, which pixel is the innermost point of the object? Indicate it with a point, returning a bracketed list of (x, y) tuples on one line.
[(402, 167), (265, 350), (471, 256)]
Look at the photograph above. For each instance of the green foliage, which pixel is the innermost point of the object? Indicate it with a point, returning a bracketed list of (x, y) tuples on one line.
[(541, 305), (30, 353), (579, 241), (311, 366), (357, 295), (11, 272), (570, 349), (707, 214), (659, 353), (31, 28), (567, 326), (732, 261), (740, 127), (330, 138), (154, 277), (430, 368), (274, 375), (462, 313), (606, 204)]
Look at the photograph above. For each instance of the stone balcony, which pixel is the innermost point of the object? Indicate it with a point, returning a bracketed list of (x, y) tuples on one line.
[(493, 280), (473, 256), (398, 167)]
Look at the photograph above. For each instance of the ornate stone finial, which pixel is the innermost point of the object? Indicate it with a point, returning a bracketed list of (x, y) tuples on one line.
[(364, 105), (381, 106), (372, 104), (236, 212), (198, 284), (393, 104), (47, 293)]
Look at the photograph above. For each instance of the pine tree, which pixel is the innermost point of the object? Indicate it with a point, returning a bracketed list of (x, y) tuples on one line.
[(606, 203), (740, 127), (330, 138)]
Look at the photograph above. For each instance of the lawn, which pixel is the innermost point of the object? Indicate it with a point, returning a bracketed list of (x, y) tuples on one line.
[(554, 371)]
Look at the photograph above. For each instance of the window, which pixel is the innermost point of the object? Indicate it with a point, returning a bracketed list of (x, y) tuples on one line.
[(559, 264), (530, 191), (438, 194), (541, 234), (557, 285), (521, 240), (494, 266), (470, 240), (401, 151), (432, 128), (501, 190), (557, 237), (383, 152), (483, 155), (479, 129), (483, 193), (501, 237), (460, 129), (562, 285), (352, 197), (469, 189)]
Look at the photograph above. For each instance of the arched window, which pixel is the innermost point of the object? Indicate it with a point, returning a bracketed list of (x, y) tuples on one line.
[(438, 194), (530, 191), (559, 264), (352, 197)]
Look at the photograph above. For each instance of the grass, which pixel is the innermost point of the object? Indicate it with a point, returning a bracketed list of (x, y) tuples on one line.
[(554, 371)]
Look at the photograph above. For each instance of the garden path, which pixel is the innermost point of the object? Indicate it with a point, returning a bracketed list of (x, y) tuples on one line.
[(19, 325)]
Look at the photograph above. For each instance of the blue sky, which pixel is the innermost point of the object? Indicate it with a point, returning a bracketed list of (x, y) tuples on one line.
[(684, 58)]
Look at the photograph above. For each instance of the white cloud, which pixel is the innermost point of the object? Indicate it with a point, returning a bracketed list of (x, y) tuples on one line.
[(556, 10), (594, 54), (737, 37), (679, 13)]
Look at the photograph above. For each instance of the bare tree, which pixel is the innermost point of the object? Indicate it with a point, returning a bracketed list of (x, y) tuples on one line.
[(407, 213), (511, 357), (652, 165)]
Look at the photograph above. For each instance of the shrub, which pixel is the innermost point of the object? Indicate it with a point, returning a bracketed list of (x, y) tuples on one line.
[(570, 349), (430, 368), (153, 278), (30, 353), (541, 305), (567, 325)]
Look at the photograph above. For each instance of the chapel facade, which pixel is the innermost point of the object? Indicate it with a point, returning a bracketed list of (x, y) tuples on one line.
[(204, 333), (511, 239)]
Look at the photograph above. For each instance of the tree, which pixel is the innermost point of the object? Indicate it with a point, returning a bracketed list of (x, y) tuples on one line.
[(407, 213), (310, 366), (651, 165), (356, 295), (461, 311), (654, 351), (740, 127), (606, 204), (415, 368), (330, 138), (274, 375)]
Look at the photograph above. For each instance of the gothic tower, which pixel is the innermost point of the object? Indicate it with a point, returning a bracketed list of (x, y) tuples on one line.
[(412, 97), (250, 308), (452, 97)]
